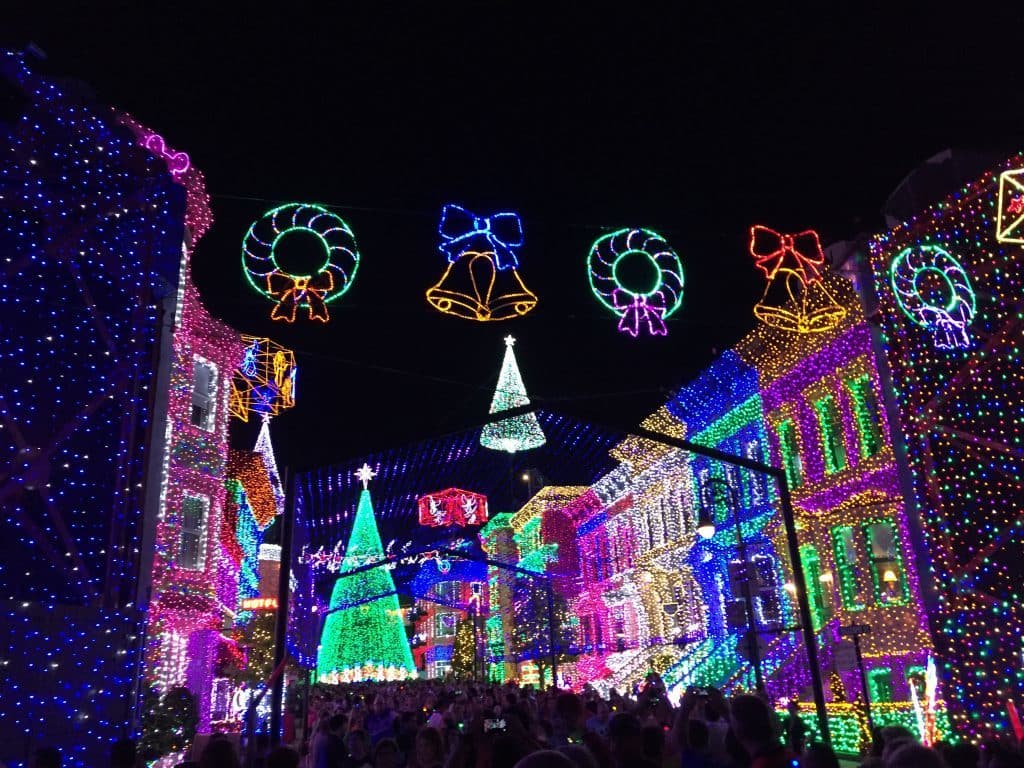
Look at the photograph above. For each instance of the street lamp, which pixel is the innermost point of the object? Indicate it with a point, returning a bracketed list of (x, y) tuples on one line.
[(706, 529)]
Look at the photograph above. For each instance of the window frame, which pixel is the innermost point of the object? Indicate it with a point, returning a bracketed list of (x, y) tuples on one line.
[(201, 532), (209, 422)]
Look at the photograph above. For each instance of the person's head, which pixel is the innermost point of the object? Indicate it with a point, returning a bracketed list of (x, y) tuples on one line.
[(654, 742), (219, 753), (358, 745), (545, 758), (963, 754), (579, 755), (283, 757), (793, 707), (46, 757), (625, 737), (429, 746), (910, 755), (698, 736), (123, 754), (379, 706), (386, 754), (752, 722), (336, 723), (569, 707), (999, 755), (819, 755)]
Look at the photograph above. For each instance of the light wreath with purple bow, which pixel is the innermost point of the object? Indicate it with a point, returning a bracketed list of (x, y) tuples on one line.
[(293, 292), (638, 310)]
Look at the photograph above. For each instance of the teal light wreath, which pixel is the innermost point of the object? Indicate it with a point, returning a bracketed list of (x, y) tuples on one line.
[(636, 309), (289, 291), (945, 311)]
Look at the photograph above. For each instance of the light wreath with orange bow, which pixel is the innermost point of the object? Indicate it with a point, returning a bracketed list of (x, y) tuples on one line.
[(293, 292), (795, 298)]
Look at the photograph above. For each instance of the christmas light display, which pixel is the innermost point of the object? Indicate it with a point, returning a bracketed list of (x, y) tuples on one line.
[(292, 292), (1010, 207), (91, 230), (961, 415), (637, 309), (452, 506), (795, 298), (519, 433), (265, 381), (947, 306), (363, 635), (195, 576), (481, 281)]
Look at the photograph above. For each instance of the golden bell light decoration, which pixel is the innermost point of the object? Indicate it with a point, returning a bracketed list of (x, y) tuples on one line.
[(795, 298), (481, 282)]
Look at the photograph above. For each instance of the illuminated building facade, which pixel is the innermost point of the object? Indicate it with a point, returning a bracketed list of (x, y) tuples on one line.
[(947, 286)]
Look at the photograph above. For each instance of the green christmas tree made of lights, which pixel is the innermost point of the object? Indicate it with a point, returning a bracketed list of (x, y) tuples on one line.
[(518, 433), (364, 638)]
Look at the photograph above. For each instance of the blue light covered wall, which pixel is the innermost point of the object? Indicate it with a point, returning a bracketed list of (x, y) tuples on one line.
[(91, 231)]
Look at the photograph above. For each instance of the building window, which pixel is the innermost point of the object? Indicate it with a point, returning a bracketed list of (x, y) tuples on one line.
[(448, 592), (790, 449), (819, 585), (757, 484), (444, 624), (831, 427), (769, 604), (844, 544), (886, 568), (204, 394), (442, 668), (192, 537), (880, 684), (866, 415)]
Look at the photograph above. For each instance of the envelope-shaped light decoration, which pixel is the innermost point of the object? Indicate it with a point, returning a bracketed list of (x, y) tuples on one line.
[(1010, 216)]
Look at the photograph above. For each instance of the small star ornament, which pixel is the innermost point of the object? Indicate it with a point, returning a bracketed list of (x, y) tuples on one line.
[(365, 474)]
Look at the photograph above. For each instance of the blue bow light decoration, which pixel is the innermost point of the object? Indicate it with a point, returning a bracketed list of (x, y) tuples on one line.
[(462, 231)]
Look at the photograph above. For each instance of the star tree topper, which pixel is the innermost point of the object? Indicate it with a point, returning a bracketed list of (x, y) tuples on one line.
[(365, 474)]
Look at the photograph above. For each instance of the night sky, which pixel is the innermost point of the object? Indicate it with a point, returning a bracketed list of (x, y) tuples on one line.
[(582, 121)]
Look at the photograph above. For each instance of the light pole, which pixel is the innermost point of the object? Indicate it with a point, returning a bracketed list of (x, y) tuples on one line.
[(706, 529)]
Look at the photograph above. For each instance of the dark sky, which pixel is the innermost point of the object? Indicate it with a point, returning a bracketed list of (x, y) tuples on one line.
[(696, 125)]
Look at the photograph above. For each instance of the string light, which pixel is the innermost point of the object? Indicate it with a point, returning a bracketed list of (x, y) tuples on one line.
[(962, 418), (481, 281), (946, 309), (637, 309), (519, 433), (364, 638), (795, 298), (265, 381), (292, 292)]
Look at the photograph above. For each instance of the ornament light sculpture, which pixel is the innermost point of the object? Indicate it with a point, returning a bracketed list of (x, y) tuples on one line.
[(481, 282), (795, 298), (292, 292), (518, 433), (637, 310)]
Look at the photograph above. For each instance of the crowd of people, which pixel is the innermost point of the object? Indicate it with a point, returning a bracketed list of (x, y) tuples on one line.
[(447, 724), (435, 724)]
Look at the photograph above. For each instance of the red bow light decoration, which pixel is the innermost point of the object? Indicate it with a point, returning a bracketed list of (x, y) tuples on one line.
[(800, 253), (293, 291), (796, 298)]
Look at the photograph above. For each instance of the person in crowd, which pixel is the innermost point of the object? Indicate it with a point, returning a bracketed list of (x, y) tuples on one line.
[(818, 755), (794, 727), (283, 757), (429, 748), (907, 754), (753, 724), (358, 745), (219, 753), (328, 748), (386, 754), (626, 742), (545, 758)]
